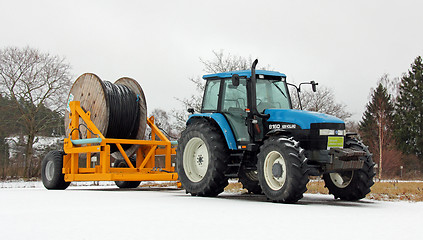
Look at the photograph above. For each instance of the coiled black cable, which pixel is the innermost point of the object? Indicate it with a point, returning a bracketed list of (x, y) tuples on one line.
[(124, 113)]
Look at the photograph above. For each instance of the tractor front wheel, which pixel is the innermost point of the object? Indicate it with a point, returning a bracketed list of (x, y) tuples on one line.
[(202, 156), (352, 185), (282, 171)]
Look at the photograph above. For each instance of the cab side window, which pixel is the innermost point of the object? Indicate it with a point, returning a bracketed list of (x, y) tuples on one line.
[(235, 96), (211, 95)]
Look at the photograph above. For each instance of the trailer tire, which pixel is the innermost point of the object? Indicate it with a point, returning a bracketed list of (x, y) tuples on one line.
[(51, 171), (249, 180), (282, 169), (202, 156), (352, 185), (120, 163)]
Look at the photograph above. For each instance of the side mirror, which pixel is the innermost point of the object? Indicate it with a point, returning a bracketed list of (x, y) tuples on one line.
[(191, 110), (313, 85), (235, 80)]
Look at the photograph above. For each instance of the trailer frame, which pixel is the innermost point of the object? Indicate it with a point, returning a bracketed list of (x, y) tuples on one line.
[(98, 164)]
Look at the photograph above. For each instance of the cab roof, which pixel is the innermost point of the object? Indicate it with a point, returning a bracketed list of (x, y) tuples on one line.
[(243, 73)]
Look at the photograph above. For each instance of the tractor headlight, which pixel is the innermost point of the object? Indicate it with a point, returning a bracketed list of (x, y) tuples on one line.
[(326, 132), (331, 132)]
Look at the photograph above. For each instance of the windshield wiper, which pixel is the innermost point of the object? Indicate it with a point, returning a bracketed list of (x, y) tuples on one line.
[(280, 90)]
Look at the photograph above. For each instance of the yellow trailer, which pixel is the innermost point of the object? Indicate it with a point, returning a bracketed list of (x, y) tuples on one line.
[(61, 168)]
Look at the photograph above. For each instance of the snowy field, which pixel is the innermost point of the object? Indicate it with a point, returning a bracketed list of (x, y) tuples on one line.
[(106, 212)]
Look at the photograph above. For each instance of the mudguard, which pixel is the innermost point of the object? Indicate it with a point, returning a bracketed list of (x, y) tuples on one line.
[(223, 124)]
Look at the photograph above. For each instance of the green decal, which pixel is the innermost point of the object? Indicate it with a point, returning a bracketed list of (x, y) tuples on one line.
[(335, 142)]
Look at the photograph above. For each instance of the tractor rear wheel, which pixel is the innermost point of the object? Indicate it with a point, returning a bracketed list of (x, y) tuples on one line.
[(352, 185), (51, 171), (249, 180), (202, 156), (282, 170), (120, 163)]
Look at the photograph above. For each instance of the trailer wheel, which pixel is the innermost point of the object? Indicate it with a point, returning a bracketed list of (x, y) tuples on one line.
[(51, 171), (352, 185), (121, 163), (282, 170), (202, 157), (249, 180)]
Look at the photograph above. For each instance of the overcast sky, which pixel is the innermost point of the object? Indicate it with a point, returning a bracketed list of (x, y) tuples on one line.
[(345, 45)]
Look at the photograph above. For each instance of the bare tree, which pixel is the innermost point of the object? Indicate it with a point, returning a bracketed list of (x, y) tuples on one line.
[(196, 99), (33, 81), (194, 102), (352, 126), (165, 123), (226, 62), (323, 101), (220, 62)]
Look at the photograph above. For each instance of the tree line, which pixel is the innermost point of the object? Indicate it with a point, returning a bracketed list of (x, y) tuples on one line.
[(392, 124)]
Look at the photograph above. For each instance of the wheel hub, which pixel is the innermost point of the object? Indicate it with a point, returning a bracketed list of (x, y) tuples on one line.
[(277, 170), (200, 160), (49, 170), (342, 180)]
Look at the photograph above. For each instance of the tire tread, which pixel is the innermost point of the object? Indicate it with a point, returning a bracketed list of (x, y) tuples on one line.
[(58, 182), (215, 181), (362, 179), (298, 178)]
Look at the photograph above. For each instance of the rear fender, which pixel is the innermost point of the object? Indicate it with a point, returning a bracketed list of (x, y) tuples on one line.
[(220, 120)]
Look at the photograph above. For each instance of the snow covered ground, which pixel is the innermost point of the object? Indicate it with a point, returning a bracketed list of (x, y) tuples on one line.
[(106, 212)]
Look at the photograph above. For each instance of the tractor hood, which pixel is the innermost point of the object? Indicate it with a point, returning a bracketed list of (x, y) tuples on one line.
[(300, 117)]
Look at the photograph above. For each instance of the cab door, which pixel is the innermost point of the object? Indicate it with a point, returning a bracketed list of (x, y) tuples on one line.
[(233, 106)]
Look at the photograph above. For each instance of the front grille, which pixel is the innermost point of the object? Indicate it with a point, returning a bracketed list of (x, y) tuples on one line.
[(317, 142)]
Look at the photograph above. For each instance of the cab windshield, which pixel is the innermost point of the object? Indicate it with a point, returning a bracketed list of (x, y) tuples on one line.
[(272, 94)]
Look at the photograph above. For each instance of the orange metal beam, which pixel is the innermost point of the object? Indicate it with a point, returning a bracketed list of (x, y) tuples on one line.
[(124, 155), (122, 177), (144, 170), (148, 157)]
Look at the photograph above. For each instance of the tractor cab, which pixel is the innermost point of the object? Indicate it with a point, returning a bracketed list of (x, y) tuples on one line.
[(228, 93), (257, 104)]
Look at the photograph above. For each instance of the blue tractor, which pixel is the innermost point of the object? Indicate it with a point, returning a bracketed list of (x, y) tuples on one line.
[(248, 130)]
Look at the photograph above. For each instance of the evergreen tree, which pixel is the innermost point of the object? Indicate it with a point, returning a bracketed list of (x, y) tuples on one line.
[(409, 111), (375, 128), (50, 123)]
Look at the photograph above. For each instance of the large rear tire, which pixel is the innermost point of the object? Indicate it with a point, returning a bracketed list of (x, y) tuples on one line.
[(352, 185), (202, 157), (249, 180), (120, 163), (282, 170), (51, 171)]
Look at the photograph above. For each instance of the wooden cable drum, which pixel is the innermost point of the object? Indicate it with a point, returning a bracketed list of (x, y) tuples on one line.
[(118, 110)]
